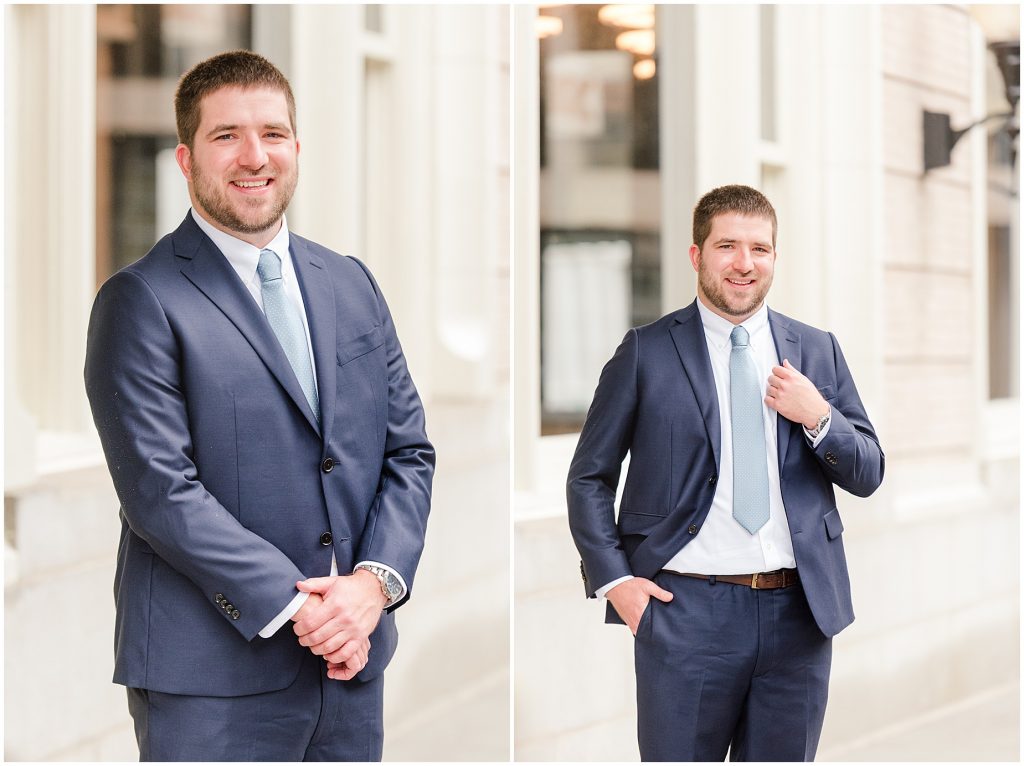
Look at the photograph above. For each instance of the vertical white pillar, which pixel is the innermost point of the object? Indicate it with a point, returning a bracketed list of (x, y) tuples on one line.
[(526, 244)]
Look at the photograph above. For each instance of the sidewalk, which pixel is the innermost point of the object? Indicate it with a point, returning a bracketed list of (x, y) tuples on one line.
[(985, 727)]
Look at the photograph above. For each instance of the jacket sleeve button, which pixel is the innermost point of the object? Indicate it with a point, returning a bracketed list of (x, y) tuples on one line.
[(692, 529), (235, 614)]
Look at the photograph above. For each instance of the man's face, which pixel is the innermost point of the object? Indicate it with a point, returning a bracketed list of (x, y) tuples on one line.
[(243, 167), (735, 265)]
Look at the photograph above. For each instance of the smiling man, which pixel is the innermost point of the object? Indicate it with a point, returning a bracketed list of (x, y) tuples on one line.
[(726, 560), (268, 450)]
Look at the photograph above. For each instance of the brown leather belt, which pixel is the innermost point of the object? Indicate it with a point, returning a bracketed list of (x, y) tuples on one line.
[(780, 578)]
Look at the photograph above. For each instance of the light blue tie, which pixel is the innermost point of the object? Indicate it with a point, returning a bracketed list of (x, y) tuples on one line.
[(286, 323), (749, 458)]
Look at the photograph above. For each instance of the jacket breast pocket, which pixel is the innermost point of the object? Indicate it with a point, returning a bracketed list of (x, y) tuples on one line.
[(361, 345), (833, 524)]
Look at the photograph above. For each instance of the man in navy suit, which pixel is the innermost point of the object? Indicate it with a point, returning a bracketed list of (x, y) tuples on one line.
[(268, 450), (726, 560)]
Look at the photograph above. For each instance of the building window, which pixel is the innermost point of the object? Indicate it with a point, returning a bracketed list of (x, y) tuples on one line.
[(1003, 207), (600, 195), (142, 51)]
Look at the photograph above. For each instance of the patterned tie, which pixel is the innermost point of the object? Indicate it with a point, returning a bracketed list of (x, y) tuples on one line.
[(749, 458), (286, 323)]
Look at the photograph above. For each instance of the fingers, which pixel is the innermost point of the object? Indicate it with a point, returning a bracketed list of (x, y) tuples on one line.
[(350, 650), (343, 673), (314, 585), (321, 633), (312, 622), (347, 669)]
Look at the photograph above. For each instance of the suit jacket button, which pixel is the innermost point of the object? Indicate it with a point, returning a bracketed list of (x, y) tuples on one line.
[(693, 529), (712, 480), (219, 598), (235, 614), (228, 607), (328, 465), (326, 538), (831, 458)]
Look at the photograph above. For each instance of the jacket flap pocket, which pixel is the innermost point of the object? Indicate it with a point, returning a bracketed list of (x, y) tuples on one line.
[(833, 524), (631, 523), (361, 344), (827, 392)]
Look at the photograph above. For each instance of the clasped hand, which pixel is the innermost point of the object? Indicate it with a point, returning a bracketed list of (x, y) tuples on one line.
[(793, 395), (337, 619)]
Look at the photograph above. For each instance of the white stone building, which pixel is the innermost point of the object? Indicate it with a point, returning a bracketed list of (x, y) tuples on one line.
[(917, 274), (403, 118)]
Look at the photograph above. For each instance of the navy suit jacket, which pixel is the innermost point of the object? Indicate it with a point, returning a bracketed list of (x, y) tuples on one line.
[(222, 472), (656, 399)]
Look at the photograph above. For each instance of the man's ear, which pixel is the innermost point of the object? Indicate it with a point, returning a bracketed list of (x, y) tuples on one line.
[(184, 157), (695, 257)]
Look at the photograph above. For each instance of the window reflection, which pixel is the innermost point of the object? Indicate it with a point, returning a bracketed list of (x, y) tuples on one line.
[(141, 52), (600, 197)]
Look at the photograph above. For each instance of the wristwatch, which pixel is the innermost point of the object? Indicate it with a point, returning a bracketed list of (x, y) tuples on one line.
[(822, 422), (388, 582)]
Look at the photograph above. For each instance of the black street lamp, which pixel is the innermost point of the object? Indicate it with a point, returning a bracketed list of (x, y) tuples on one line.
[(939, 135)]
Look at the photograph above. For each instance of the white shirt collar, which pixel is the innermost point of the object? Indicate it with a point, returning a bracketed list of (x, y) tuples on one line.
[(718, 329), (241, 255)]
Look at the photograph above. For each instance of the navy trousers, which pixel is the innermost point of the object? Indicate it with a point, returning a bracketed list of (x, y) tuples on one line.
[(314, 719), (727, 669)]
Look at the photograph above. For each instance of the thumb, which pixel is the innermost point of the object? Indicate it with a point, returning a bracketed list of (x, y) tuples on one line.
[(661, 594), (314, 585), (785, 363)]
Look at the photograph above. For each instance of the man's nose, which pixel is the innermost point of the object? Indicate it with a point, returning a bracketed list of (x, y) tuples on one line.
[(252, 154), (744, 260)]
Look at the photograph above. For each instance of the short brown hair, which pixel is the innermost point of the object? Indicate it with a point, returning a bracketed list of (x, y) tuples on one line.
[(730, 199), (243, 69)]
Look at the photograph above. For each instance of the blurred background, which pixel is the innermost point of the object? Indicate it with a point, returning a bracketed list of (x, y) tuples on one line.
[(404, 124), (901, 243)]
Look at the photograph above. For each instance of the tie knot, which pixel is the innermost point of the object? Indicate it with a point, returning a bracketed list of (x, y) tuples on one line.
[(740, 336), (269, 267)]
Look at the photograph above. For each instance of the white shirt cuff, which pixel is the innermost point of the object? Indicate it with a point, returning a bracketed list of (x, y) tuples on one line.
[(602, 592), (392, 571), (815, 441), (289, 611)]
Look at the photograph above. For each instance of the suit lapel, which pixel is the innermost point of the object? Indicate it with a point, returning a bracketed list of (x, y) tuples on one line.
[(207, 268), (688, 335), (787, 344), (318, 295)]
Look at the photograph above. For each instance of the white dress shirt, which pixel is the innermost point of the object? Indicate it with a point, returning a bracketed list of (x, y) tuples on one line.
[(244, 258), (723, 546)]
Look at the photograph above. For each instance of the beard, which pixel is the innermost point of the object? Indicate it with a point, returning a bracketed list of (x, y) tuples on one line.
[(716, 295), (246, 217)]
